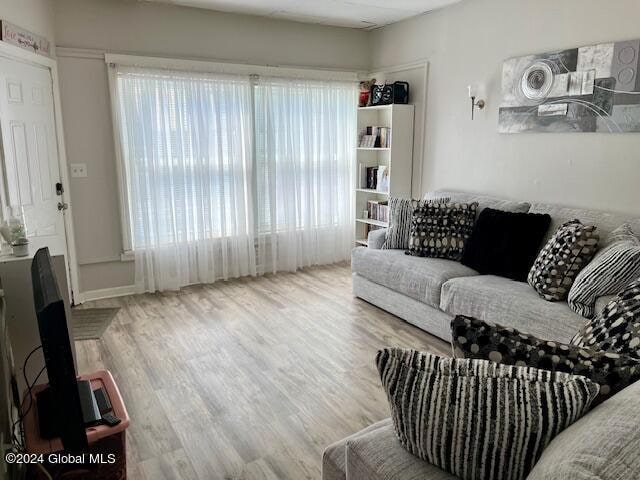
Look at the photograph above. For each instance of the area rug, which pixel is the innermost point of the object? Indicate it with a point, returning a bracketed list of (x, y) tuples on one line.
[(90, 323)]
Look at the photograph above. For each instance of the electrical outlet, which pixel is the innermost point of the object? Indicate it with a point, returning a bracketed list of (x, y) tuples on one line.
[(78, 170)]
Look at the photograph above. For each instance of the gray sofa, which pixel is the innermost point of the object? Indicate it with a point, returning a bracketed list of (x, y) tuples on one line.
[(429, 292), (603, 445)]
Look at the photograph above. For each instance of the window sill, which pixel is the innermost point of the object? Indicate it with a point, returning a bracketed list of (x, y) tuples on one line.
[(127, 256)]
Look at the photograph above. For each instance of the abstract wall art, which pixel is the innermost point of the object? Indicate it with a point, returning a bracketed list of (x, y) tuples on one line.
[(587, 89)]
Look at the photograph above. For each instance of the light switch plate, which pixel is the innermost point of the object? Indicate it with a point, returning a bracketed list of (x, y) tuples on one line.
[(78, 170)]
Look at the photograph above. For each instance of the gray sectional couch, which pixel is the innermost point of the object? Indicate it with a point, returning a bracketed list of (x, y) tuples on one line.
[(603, 445)]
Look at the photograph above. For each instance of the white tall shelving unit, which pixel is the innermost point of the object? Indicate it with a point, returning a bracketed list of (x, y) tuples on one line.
[(398, 157)]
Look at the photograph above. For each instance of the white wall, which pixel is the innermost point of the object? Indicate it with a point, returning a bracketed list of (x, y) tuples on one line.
[(33, 15), (156, 29), (467, 43)]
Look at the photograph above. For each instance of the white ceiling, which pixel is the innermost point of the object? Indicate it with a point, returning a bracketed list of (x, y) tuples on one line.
[(366, 14)]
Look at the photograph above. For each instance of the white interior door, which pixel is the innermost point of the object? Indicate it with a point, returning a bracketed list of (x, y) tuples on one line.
[(31, 169)]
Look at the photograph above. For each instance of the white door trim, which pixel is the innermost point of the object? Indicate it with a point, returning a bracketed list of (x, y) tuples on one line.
[(24, 56)]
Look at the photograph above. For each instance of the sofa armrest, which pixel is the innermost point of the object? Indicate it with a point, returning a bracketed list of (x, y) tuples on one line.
[(375, 239)]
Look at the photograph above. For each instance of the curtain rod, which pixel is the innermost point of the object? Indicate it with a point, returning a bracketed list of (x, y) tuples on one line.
[(230, 68)]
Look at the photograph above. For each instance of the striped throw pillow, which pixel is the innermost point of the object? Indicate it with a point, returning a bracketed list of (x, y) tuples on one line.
[(476, 419), (613, 267), (400, 213)]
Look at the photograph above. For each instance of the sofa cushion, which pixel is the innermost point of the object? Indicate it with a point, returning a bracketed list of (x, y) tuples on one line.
[(378, 455), (416, 277), (605, 221), (483, 201), (516, 304), (376, 238), (334, 459), (602, 445)]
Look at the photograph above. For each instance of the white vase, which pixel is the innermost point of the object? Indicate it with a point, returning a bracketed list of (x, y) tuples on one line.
[(21, 250)]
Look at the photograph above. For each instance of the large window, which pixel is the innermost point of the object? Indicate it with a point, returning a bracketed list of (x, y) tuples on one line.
[(228, 175)]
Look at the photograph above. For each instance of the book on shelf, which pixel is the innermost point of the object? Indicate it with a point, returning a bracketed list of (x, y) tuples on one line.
[(362, 175), (375, 137), (372, 177), (378, 210), (368, 141)]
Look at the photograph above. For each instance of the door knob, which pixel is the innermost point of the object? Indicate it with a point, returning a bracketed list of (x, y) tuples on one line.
[(62, 206)]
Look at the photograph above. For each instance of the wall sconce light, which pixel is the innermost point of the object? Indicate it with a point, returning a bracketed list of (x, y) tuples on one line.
[(475, 104)]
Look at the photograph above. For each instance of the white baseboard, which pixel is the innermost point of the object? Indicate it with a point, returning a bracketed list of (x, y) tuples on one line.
[(104, 293)]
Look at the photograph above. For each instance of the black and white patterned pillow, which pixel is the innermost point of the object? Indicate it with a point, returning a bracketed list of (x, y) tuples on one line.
[(617, 327), (473, 338), (613, 267), (478, 419), (440, 230), (569, 250), (400, 213)]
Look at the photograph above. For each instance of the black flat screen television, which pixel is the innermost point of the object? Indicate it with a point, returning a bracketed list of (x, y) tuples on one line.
[(61, 401)]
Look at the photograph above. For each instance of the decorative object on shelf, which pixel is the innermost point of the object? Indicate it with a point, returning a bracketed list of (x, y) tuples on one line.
[(382, 182), (588, 89), (387, 94), (479, 104), (22, 38), (365, 92), (20, 248), (16, 232), (365, 214)]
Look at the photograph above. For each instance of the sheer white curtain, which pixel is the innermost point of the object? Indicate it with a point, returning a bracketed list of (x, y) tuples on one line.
[(227, 176), (187, 151), (305, 139)]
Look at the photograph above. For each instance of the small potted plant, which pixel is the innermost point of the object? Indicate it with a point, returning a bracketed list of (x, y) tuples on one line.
[(19, 240)]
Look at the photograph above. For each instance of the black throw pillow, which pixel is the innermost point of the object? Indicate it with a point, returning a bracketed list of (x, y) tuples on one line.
[(505, 243)]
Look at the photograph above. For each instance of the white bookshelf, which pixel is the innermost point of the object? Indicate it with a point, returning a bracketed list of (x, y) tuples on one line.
[(398, 158)]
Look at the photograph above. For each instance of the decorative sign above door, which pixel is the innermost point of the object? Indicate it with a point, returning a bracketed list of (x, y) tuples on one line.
[(22, 38), (586, 89)]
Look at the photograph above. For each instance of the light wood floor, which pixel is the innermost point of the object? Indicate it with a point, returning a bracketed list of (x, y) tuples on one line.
[(247, 379)]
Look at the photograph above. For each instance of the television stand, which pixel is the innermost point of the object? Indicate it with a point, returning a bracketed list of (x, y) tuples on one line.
[(48, 417), (103, 439)]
